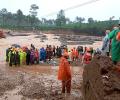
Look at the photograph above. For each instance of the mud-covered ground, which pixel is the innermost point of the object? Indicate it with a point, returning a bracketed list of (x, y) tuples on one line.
[(101, 80), (34, 82), (37, 82)]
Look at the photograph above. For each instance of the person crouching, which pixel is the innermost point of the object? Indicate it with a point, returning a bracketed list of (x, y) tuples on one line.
[(64, 73)]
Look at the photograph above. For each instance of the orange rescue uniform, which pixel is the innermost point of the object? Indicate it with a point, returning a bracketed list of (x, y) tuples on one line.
[(64, 74)]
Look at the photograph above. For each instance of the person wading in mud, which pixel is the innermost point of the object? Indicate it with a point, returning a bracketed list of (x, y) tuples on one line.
[(64, 73), (115, 46)]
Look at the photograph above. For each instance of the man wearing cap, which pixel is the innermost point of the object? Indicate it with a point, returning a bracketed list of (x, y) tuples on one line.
[(64, 73)]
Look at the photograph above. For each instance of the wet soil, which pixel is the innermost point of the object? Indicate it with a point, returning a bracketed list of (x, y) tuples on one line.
[(35, 81), (101, 80)]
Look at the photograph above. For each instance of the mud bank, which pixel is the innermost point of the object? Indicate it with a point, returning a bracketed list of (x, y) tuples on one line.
[(100, 80)]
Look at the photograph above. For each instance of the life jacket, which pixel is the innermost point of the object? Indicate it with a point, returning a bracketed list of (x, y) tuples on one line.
[(87, 58)]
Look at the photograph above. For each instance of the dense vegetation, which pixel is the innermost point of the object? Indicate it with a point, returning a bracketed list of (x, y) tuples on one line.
[(19, 21)]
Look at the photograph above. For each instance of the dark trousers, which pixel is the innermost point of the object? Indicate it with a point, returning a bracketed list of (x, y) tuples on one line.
[(66, 86), (107, 53), (27, 60)]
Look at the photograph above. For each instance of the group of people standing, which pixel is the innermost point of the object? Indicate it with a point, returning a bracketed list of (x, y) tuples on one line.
[(24, 56)]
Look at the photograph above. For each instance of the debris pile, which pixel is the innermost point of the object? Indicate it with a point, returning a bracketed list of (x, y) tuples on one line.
[(101, 80)]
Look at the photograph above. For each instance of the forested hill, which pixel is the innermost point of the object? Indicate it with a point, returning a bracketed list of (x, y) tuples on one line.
[(19, 21)]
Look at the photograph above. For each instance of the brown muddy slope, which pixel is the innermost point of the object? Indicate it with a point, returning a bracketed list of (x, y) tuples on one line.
[(100, 80)]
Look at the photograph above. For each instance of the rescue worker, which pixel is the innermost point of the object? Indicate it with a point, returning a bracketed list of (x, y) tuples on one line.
[(91, 50), (17, 58), (106, 44), (50, 53), (42, 54), (54, 51), (32, 47), (7, 56), (80, 52), (70, 57), (27, 56), (76, 54), (21, 56), (87, 57), (57, 51), (11, 57), (64, 73), (115, 45), (80, 49), (73, 54), (24, 57), (32, 55), (47, 50)]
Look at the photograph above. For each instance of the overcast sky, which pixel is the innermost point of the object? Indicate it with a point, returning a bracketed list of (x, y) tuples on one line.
[(99, 10)]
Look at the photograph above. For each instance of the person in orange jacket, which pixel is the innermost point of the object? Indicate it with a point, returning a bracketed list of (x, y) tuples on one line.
[(87, 57), (64, 73), (73, 54)]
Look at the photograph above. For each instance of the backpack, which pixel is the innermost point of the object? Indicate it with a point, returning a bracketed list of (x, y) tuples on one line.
[(118, 36)]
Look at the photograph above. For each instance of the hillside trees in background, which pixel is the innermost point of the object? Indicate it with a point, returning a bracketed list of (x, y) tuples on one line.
[(19, 21)]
